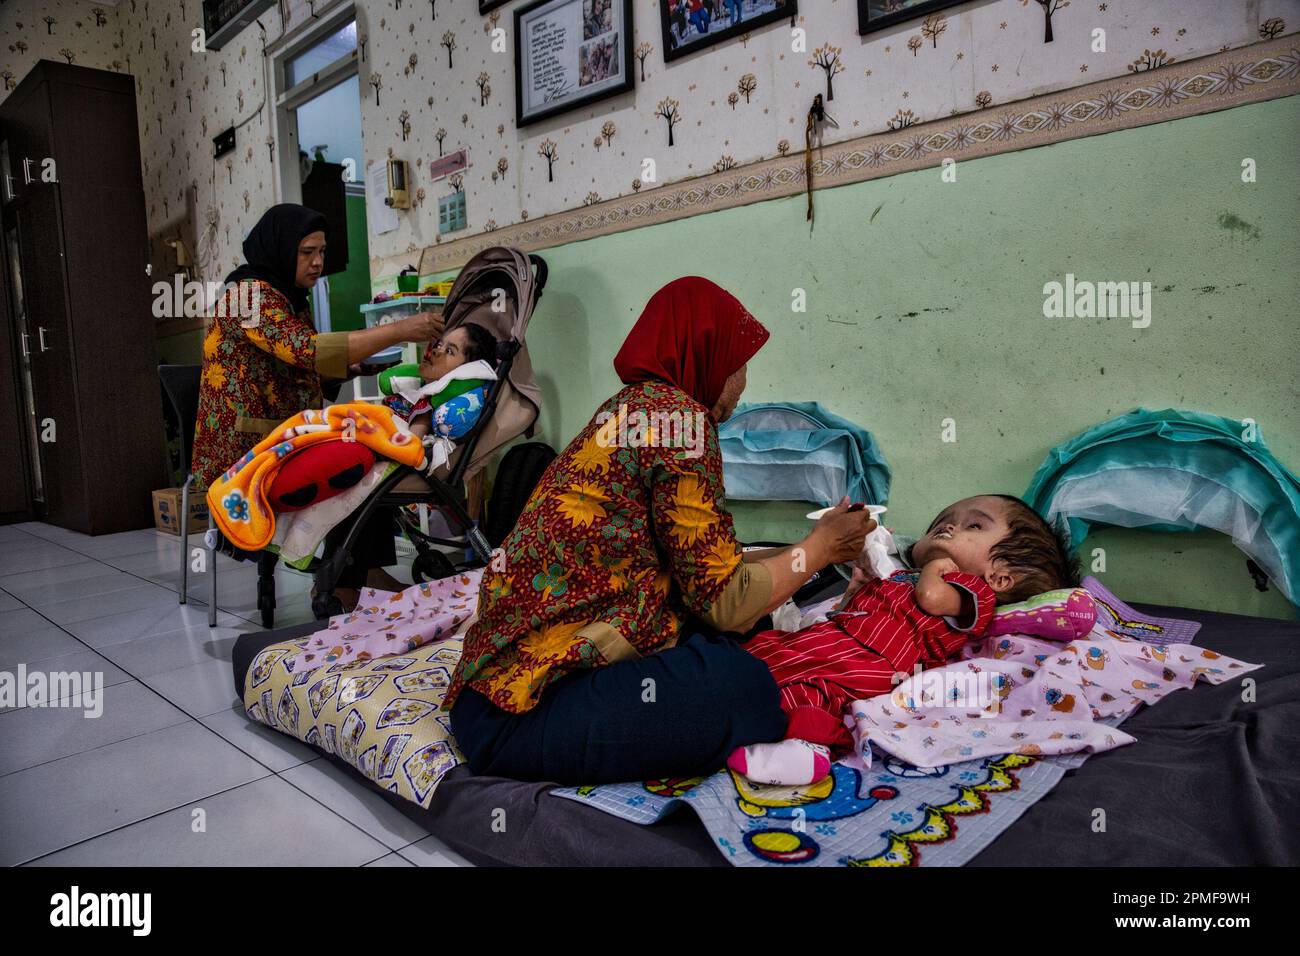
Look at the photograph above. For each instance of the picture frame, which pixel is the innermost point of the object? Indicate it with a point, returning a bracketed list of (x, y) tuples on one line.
[(487, 6), (686, 32), (876, 15), (570, 54)]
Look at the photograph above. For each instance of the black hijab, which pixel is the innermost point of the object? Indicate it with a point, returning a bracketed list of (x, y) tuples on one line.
[(271, 249)]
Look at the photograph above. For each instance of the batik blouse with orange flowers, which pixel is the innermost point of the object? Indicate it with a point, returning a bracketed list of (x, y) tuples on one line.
[(262, 363), (625, 533)]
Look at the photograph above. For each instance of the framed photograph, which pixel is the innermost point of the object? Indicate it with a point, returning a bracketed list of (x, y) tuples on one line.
[(487, 6), (570, 53), (691, 25), (878, 14)]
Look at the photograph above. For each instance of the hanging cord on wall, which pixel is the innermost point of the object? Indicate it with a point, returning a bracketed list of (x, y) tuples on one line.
[(206, 240), (818, 118), (265, 86), (807, 157)]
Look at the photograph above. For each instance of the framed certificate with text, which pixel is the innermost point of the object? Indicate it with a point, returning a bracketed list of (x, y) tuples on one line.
[(569, 53)]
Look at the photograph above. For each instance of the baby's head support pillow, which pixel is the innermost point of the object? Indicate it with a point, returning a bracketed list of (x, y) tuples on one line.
[(1064, 615)]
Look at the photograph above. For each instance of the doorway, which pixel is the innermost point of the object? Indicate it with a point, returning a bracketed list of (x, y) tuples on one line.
[(320, 157)]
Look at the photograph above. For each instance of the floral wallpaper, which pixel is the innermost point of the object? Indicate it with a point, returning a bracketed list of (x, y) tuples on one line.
[(431, 83), (436, 85), (64, 30), (183, 99)]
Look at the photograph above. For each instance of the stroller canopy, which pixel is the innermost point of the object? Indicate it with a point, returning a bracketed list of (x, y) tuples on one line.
[(798, 451), (1174, 470), (498, 290)]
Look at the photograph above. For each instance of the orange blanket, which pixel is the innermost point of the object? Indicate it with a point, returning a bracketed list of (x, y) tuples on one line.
[(237, 500)]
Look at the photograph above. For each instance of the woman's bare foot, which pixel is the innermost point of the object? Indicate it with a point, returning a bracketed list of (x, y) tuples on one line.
[(380, 578)]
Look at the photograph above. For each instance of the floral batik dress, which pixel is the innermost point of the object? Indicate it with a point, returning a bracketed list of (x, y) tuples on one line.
[(624, 534), (262, 363)]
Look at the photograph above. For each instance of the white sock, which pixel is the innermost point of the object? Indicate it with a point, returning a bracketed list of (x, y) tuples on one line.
[(786, 762)]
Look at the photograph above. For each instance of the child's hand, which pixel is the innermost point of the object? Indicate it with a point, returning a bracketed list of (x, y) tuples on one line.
[(941, 566), (858, 579), (933, 594)]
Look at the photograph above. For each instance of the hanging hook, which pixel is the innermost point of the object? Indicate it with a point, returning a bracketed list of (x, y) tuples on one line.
[(818, 120)]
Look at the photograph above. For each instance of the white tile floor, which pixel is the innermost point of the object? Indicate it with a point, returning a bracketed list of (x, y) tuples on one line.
[(125, 788)]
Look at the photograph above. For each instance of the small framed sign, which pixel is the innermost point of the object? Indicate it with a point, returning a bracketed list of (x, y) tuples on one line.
[(569, 53), (444, 166)]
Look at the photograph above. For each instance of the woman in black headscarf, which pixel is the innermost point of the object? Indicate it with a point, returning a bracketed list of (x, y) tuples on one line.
[(263, 360)]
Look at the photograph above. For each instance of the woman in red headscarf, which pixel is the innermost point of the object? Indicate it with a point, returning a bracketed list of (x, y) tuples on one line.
[(598, 653)]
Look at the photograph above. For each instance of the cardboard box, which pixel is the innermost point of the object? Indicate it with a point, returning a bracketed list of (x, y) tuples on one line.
[(167, 510)]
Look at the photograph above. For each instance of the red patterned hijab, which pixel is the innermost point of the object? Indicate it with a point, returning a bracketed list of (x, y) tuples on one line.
[(693, 334)]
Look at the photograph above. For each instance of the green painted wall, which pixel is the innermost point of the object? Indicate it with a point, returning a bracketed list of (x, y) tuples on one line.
[(925, 302)]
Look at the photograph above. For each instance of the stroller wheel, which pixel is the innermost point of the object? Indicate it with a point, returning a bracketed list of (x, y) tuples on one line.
[(431, 565), (324, 606)]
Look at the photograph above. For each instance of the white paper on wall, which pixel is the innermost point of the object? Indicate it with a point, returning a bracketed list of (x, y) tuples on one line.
[(381, 217)]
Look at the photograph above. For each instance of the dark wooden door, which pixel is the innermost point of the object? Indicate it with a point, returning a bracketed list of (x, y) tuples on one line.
[(74, 218), (33, 215), (16, 501), (54, 380), (105, 247)]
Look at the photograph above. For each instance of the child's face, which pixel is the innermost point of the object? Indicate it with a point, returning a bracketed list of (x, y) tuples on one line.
[(444, 355), (965, 532)]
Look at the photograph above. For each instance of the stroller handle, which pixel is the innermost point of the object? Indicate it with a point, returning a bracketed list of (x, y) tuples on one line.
[(540, 263)]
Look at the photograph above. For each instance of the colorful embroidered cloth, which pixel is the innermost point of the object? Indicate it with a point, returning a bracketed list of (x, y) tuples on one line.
[(891, 815), (237, 500)]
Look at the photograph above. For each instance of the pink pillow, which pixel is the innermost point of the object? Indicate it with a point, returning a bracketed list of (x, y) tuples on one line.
[(1064, 615)]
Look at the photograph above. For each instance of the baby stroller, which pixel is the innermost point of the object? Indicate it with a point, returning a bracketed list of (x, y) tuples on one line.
[(509, 410)]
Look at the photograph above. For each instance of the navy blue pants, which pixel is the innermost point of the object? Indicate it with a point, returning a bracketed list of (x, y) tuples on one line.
[(677, 713)]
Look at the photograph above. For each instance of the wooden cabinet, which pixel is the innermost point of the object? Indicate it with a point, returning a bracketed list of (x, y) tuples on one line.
[(79, 351)]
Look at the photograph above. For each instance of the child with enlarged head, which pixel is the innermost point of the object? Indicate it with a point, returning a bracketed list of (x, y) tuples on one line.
[(979, 552), (443, 394)]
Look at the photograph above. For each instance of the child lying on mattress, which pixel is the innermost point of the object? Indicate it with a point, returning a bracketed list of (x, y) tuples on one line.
[(978, 552), (444, 392)]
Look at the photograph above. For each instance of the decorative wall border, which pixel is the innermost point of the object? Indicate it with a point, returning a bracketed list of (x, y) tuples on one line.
[(1260, 72)]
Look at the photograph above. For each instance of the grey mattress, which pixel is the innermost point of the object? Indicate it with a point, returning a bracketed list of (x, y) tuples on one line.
[(1212, 780)]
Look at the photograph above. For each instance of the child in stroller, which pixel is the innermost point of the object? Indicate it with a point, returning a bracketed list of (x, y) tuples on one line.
[(473, 392), (444, 393)]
